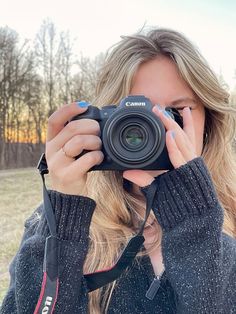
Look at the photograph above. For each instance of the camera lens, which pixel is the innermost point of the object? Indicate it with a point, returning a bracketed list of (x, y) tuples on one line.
[(133, 136)]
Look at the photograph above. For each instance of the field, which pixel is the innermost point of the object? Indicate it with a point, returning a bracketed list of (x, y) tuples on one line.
[(20, 194)]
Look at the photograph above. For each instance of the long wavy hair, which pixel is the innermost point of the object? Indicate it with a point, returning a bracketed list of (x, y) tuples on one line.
[(113, 221)]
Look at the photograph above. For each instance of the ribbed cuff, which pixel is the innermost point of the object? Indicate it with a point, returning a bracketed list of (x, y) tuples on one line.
[(185, 192), (73, 215)]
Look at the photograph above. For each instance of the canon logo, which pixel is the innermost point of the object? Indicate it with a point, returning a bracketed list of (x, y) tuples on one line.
[(47, 305), (130, 103)]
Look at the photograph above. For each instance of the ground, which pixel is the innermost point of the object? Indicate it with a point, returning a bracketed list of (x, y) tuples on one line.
[(20, 194)]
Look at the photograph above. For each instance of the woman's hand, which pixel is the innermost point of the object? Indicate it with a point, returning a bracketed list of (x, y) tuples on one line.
[(63, 143), (180, 144)]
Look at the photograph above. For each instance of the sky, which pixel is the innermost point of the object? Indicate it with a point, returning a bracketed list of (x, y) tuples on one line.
[(96, 25)]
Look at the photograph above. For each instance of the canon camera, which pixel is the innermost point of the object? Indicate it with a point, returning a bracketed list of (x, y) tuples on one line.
[(133, 137)]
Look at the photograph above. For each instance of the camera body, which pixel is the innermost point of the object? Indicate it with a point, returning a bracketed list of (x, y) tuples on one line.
[(133, 137)]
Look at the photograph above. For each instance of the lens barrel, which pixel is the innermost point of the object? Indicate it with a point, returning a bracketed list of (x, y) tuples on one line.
[(133, 138)]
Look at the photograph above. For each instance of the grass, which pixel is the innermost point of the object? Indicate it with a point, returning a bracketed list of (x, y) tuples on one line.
[(20, 194)]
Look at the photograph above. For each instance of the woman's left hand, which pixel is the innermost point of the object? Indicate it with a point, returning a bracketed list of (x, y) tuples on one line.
[(180, 143)]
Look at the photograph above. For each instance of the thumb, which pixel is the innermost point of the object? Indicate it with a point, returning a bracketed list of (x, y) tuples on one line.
[(138, 177)]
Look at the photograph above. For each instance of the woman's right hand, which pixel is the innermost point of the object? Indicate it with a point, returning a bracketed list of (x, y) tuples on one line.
[(63, 143)]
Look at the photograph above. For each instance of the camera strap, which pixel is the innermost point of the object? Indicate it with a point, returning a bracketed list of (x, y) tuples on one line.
[(103, 277), (50, 284)]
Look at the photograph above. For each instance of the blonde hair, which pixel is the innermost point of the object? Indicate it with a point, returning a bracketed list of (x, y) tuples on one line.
[(112, 223)]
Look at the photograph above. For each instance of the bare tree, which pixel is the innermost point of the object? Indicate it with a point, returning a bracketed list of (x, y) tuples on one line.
[(14, 67), (33, 83), (85, 80), (65, 63), (46, 49)]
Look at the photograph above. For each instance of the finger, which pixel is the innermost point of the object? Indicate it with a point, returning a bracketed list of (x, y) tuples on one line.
[(185, 147), (174, 153), (169, 123), (83, 164), (183, 142), (66, 155), (139, 177), (82, 142), (73, 128), (58, 119), (188, 125)]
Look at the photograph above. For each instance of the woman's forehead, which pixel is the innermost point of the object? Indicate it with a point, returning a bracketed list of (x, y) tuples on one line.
[(160, 81)]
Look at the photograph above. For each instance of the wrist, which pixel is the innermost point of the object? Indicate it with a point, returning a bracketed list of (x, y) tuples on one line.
[(184, 193), (73, 215)]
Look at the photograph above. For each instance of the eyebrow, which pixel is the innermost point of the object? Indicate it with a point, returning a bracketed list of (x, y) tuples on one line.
[(182, 100)]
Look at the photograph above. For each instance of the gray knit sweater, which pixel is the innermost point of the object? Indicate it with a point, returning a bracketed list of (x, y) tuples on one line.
[(199, 260)]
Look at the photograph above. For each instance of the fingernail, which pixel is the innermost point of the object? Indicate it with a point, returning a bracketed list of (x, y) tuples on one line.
[(158, 107), (166, 114), (189, 110), (172, 134), (82, 104)]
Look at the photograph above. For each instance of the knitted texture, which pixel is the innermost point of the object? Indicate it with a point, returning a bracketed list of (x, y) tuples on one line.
[(71, 211), (73, 215), (199, 260)]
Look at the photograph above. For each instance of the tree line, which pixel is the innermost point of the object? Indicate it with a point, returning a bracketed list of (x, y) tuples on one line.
[(36, 77)]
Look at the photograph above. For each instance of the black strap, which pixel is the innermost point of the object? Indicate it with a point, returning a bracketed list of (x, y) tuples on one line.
[(50, 284), (100, 278), (43, 169)]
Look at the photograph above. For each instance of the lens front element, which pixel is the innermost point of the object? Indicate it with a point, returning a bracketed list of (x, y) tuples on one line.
[(133, 136)]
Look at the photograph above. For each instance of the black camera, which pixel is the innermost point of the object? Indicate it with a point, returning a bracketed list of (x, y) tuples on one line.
[(133, 137)]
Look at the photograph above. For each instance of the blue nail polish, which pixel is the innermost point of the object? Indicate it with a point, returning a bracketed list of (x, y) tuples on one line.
[(82, 104), (166, 114), (159, 107)]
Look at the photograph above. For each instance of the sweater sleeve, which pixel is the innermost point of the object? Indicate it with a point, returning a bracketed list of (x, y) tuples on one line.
[(73, 216), (199, 259)]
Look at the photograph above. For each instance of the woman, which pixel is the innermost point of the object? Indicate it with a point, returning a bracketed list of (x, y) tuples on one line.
[(188, 262)]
